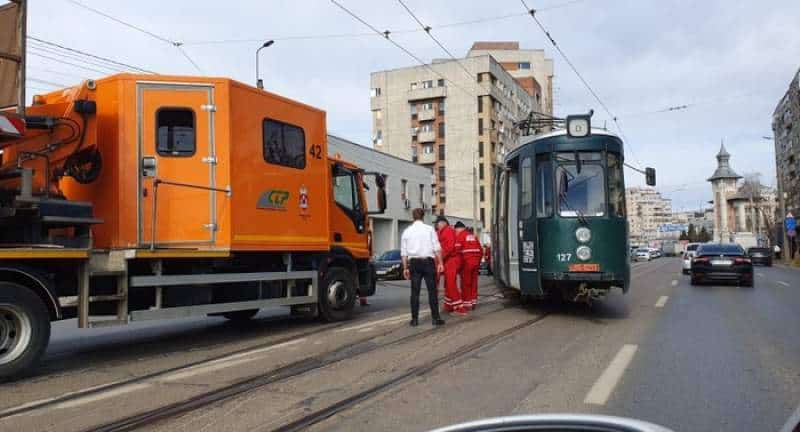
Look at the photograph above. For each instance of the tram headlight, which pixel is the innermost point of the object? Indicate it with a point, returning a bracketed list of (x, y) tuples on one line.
[(584, 253), (583, 234)]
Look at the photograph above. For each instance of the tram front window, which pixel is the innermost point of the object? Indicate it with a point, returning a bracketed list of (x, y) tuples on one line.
[(581, 193)]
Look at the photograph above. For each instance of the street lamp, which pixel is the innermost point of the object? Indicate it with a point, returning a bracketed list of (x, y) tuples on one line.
[(259, 81)]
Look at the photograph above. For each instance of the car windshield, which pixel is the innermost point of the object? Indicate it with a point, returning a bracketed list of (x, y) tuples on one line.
[(392, 255), (584, 191), (720, 249)]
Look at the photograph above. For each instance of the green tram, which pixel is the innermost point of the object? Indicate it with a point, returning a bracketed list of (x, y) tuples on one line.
[(560, 223)]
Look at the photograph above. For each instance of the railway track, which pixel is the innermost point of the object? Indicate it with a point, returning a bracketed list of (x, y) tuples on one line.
[(296, 369)]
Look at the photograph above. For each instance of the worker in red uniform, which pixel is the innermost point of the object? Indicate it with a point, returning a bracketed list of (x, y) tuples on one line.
[(471, 253), (451, 257)]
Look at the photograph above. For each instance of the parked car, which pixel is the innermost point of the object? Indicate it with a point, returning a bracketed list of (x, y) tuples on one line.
[(721, 262), (760, 255), (691, 249), (643, 255), (389, 265), (654, 253)]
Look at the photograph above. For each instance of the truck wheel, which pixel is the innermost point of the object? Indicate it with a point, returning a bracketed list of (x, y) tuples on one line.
[(337, 295), (239, 316), (24, 329)]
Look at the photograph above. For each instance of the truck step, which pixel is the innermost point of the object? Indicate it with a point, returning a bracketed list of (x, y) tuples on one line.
[(72, 301), (107, 323)]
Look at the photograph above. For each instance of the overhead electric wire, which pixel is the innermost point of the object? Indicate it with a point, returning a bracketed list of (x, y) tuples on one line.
[(67, 63), (175, 43), (532, 13), (386, 35), (399, 31), (46, 82), (72, 57), (94, 56)]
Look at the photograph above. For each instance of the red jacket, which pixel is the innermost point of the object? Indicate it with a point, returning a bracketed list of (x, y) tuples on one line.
[(470, 246), (451, 247)]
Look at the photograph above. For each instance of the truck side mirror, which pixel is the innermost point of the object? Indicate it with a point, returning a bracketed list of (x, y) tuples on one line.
[(650, 176)]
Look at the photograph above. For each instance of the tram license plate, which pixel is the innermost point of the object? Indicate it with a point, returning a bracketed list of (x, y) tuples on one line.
[(584, 267)]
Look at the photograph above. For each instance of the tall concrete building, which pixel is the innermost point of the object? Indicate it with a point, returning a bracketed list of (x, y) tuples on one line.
[(647, 211), (786, 129), (457, 117)]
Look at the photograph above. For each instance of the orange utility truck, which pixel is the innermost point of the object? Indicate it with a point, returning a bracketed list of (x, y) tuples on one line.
[(141, 197)]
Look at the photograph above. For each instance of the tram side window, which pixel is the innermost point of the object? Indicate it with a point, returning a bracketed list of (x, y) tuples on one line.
[(616, 187), (544, 186), (526, 192)]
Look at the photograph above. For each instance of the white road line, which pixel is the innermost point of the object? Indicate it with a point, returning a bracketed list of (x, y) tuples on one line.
[(372, 323), (783, 283), (602, 388), (760, 274), (661, 301), (674, 282)]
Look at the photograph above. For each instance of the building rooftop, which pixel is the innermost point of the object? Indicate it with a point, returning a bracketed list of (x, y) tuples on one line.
[(723, 171), (495, 45)]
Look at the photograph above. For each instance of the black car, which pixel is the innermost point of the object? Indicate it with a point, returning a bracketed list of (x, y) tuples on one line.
[(760, 255), (721, 262), (389, 265)]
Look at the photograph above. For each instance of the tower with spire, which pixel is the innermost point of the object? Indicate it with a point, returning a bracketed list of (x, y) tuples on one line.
[(723, 185)]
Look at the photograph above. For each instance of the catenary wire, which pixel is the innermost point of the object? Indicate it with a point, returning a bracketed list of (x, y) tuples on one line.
[(86, 54)]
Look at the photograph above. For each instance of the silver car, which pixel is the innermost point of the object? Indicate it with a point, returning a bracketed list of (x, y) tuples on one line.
[(691, 251)]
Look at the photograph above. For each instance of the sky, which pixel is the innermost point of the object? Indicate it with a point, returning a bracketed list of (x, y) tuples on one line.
[(729, 61)]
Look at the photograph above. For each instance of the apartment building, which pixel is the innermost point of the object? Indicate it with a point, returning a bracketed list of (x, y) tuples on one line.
[(647, 211), (456, 117), (786, 130)]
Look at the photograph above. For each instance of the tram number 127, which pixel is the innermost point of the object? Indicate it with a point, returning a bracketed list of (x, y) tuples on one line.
[(564, 257)]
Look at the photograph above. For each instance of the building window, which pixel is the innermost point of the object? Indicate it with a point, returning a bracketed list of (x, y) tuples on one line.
[(480, 171), (482, 194), (414, 154), (480, 104), (441, 107), (403, 189), (480, 126), (378, 114), (413, 109), (427, 84), (421, 194), (284, 144), (483, 217), (441, 173), (427, 149), (480, 148), (440, 83), (441, 130), (375, 92), (441, 152), (378, 137), (413, 86), (427, 127), (493, 148), (427, 106), (524, 65), (175, 132), (480, 77)]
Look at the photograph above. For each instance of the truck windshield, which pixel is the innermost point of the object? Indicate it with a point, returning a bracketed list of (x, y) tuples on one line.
[(584, 194)]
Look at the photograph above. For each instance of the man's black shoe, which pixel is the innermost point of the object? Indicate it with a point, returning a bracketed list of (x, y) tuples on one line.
[(438, 322), (414, 322)]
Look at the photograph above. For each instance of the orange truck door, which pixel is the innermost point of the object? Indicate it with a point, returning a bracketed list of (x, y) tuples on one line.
[(348, 221), (176, 148)]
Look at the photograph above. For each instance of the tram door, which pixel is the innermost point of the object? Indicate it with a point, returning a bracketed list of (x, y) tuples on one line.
[(500, 231), (513, 227), (526, 228)]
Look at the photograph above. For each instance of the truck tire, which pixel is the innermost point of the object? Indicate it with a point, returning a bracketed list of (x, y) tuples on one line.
[(239, 316), (24, 329), (337, 295)]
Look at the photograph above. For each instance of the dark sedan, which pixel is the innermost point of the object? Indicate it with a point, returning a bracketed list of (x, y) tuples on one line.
[(721, 262), (759, 255), (389, 265)]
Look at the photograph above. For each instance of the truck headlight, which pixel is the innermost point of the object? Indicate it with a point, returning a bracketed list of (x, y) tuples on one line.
[(584, 253), (583, 234)]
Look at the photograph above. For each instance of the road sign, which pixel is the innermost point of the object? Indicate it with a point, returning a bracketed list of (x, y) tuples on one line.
[(790, 223)]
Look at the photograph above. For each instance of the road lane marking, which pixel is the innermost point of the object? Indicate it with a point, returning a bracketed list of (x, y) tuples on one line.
[(661, 301), (674, 282), (602, 388), (760, 274), (783, 283)]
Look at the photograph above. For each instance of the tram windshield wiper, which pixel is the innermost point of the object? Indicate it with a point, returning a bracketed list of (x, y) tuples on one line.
[(581, 217)]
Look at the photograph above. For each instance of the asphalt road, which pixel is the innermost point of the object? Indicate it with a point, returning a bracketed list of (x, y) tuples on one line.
[(689, 358)]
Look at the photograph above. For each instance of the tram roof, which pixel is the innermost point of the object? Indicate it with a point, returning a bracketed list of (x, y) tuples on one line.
[(546, 142)]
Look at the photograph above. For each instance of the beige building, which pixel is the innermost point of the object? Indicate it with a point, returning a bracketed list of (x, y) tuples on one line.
[(457, 117), (647, 211)]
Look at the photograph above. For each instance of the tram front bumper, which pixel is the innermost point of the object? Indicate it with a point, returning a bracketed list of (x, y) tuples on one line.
[(582, 276)]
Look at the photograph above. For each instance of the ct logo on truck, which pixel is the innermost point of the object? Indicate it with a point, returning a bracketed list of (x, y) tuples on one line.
[(273, 199)]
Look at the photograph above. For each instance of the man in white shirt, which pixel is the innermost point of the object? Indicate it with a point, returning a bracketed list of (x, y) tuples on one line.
[(421, 255)]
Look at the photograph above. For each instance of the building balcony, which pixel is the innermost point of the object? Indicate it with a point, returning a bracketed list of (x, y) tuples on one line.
[(426, 158), (426, 115), (375, 103), (426, 136), (427, 93)]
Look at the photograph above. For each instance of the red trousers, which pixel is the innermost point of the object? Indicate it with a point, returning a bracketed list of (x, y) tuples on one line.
[(452, 296), (469, 281)]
